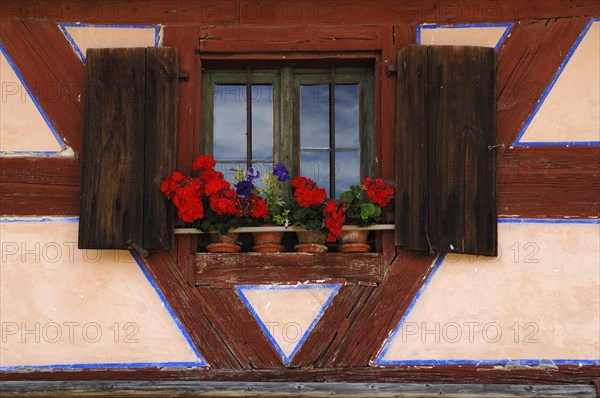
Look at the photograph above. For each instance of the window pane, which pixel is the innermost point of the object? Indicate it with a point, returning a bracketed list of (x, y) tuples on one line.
[(262, 122), (346, 115), (229, 132), (314, 116), (347, 170)]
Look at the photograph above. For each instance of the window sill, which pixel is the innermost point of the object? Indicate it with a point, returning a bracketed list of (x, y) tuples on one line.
[(273, 228)]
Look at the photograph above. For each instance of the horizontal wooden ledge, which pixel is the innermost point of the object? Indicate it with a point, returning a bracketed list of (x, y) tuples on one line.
[(250, 268), (376, 227), (278, 389)]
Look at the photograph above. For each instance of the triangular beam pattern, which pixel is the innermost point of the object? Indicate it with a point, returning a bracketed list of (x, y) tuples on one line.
[(84, 36), (287, 313), (569, 106), (26, 128), (479, 34)]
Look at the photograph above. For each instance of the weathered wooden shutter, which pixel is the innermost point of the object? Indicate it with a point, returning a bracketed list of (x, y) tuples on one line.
[(128, 148), (446, 155)]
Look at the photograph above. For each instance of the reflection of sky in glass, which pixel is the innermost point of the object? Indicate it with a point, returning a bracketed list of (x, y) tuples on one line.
[(314, 116), (346, 115), (227, 170), (229, 140), (314, 133)]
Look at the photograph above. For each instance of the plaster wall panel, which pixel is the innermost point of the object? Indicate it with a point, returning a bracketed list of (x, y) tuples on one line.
[(539, 300), (24, 127), (569, 110), (64, 307), (84, 36), (483, 35)]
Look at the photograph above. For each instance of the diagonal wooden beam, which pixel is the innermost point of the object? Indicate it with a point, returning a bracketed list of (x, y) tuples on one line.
[(381, 312), (189, 307), (527, 63), (46, 85)]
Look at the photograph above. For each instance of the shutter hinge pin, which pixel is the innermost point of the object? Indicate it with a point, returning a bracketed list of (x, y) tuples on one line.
[(490, 147), (139, 249), (390, 69)]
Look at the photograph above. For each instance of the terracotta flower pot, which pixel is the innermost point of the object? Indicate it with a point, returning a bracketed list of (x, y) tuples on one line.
[(268, 242), (223, 243), (354, 241), (311, 242)]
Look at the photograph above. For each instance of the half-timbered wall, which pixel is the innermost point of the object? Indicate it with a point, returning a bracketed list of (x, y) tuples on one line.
[(529, 315)]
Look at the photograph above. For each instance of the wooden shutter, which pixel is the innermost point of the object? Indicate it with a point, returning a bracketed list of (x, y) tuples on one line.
[(446, 159), (128, 148)]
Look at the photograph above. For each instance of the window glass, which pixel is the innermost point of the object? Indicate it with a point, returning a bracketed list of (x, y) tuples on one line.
[(229, 131)]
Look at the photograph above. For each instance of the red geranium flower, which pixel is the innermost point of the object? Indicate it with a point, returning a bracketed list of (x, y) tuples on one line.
[(378, 191), (334, 217), (225, 202), (205, 162), (307, 192)]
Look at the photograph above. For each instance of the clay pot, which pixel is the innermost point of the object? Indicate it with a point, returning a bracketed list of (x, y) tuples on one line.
[(354, 241), (223, 243), (268, 242), (311, 242)]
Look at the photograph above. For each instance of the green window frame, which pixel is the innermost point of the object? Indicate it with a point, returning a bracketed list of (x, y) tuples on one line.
[(286, 83)]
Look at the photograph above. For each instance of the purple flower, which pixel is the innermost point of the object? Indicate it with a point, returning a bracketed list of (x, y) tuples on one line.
[(251, 174), (244, 188), (281, 172)]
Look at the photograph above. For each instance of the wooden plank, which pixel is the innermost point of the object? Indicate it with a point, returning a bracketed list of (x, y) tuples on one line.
[(468, 374), (40, 170), (162, 71), (332, 325), (462, 126), (549, 182), (185, 38), (294, 38), (412, 145), (526, 65), (238, 329), (45, 87), (18, 199), (375, 320), (280, 389), (113, 151), (295, 13), (60, 58), (267, 267)]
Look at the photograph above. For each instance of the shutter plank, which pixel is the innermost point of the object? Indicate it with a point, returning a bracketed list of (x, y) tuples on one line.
[(462, 124), (162, 69), (113, 149), (412, 149)]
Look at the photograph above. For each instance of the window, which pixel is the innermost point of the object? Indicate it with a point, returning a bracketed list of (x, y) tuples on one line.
[(318, 122)]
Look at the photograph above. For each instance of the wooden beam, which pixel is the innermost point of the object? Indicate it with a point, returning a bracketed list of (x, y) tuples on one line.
[(46, 83), (269, 389)]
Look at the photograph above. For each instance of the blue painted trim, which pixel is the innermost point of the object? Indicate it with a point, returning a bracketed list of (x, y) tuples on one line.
[(131, 365), (63, 27), (285, 358), (30, 153), (548, 221), (379, 360), (58, 138), (40, 219), (518, 141), (507, 25), (201, 361)]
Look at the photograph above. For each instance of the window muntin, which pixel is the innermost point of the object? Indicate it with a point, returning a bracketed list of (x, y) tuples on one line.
[(299, 139)]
